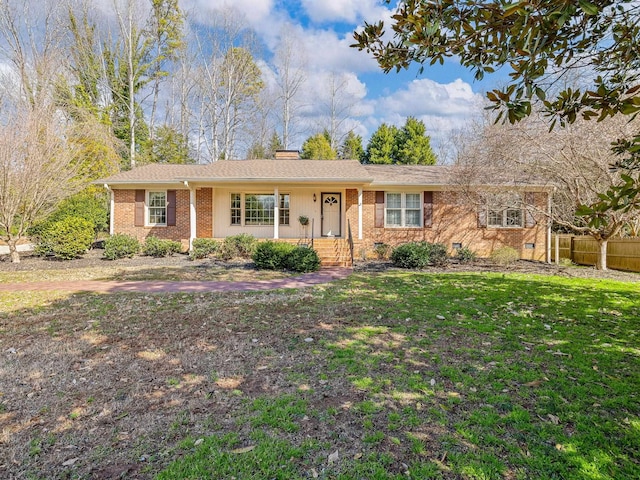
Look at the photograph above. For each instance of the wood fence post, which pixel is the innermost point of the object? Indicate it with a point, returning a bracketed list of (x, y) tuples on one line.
[(571, 247), (557, 249)]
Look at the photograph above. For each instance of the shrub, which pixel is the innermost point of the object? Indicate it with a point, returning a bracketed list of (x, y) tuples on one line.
[(120, 245), (242, 245), (505, 256), (438, 254), (418, 255), (272, 255), (203, 247), (92, 206), (302, 259), (465, 255), (65, 239), (382, 251), (156, 247), (411, 255)]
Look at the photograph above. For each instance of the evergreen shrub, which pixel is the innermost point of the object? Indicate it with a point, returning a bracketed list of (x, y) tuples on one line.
[(120, 245)]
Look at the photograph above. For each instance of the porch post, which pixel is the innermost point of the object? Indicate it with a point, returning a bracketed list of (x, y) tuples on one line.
[(276, 214), (112, 209), (360, 214), (192, 214)]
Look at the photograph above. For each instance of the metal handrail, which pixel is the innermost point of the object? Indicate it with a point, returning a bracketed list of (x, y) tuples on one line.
[(312, 223)]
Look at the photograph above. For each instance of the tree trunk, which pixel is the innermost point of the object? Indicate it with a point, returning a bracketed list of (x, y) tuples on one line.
[(13, 250), (601, 262)]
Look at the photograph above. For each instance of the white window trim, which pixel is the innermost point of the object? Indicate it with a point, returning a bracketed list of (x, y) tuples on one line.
[(147, 203), (503, 211), (243, 218), (403, 209)]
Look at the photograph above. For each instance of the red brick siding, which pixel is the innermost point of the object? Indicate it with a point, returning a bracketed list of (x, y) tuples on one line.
[(454, 220), (124, 206), (204, 213)]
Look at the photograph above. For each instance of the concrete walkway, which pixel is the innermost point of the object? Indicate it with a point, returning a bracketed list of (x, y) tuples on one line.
[(325, 275)]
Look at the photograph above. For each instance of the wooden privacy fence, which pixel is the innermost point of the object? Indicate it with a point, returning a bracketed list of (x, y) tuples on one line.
[(622, 253)]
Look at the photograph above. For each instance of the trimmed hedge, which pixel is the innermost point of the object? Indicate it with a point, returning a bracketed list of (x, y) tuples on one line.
[(303, 260), (156, 247), (120, 245), (66, 239), (418, 255), (270, 255)]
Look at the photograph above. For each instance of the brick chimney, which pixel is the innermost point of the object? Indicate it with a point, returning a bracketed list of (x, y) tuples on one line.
[(287, 155)]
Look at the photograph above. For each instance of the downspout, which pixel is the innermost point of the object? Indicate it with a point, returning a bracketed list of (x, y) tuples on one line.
[(112, 208), (360, 214), (192, 214)]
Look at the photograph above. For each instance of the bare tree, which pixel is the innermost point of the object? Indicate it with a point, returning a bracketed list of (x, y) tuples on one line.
[(42, 162), (289, 63), (338, 106), (227, 83), (575, 160), (29, 36)]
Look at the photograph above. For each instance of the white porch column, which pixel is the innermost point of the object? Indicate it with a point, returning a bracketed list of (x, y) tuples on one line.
[(276, 213), (212, 213), (112, 209), (193, 222), (360, 214)]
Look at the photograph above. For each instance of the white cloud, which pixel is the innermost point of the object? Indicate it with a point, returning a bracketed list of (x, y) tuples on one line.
[(351, 11), (255, 11), (427, 97), (444, 108), (330, 52)]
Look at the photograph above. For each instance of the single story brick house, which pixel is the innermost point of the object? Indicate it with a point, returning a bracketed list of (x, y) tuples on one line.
[(349, 206)]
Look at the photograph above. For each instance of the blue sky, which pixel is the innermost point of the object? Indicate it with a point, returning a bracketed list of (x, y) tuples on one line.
[(444, 97)]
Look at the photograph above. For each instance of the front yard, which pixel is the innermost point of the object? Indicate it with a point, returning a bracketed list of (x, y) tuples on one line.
[(390, 374)]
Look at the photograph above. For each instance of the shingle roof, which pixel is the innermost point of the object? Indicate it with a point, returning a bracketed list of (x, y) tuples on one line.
[(307, 171), (247, 171), (409, 174), (292, 170), (444, 175), (153, 173)]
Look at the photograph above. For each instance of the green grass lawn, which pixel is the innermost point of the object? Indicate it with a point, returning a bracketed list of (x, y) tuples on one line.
[(380, 376), (460, 376)]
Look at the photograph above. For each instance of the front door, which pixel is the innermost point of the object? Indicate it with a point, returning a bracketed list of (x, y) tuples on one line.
[(331, 206)]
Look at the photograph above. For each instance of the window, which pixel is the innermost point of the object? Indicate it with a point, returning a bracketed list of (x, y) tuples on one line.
[(259, 209), (284, 209), (157, 208), (505, 211), (236, 209), (403, 210)]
